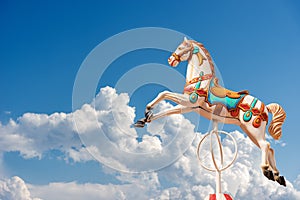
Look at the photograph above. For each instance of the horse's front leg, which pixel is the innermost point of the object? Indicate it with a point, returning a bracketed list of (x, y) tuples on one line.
[(179, 109), (180, 99)]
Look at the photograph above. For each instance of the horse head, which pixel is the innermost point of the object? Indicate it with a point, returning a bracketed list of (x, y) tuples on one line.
[(182, 53)]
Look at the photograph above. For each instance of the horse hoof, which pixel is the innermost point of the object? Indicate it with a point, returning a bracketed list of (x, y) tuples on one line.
[(148, 115), (139, 124), (269, 174), (281, 181)]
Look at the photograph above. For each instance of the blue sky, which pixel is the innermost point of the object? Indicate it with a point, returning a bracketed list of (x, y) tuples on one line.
[(255, 45)]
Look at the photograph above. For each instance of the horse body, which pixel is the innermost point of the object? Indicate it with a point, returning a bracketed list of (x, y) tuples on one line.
[(202, 94)]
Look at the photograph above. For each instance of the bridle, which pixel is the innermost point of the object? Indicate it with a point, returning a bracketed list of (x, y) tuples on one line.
[(178, 57), (194, 50)]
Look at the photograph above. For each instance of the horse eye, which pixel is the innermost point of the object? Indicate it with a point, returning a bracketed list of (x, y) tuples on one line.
[(180, 48)]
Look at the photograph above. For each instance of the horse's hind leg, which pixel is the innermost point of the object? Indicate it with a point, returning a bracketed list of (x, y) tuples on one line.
[(268, 163), (265, 165), (257, 135), (271, 157)]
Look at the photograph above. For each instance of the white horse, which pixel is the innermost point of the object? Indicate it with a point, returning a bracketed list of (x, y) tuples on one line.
[(203, 95)]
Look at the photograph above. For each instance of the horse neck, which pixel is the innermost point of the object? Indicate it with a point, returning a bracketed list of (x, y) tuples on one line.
[(194, 68)]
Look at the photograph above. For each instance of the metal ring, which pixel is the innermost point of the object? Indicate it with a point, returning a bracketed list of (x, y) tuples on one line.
[(220, 146)]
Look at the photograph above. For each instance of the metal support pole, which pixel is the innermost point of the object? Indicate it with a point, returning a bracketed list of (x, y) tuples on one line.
[(217, 167), (218, 185), (218, 171)]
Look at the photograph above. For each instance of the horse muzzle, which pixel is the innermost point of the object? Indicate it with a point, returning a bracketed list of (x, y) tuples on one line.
[(174, 60)]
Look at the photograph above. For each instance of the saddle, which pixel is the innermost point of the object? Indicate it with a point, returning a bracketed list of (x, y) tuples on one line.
[(221, 92)]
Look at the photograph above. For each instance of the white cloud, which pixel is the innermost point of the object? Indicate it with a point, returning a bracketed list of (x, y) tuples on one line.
[(105, 127), (138, 186), (244, 180), (297, 182), (74, 191), (281, 142), (14, 189), (34, 134), (184, 179)]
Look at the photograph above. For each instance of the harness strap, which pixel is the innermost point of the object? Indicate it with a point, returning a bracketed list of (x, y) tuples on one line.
[(200, 92), (200, 78)]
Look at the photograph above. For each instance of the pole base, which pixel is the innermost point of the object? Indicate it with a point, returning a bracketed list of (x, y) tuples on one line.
[(219, 197)]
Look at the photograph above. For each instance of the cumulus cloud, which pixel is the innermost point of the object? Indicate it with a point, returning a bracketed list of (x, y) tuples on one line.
[(72, 190), (33, 134), (244, 180), (104, 126), (141, 186), (184, 179), (14, 189)]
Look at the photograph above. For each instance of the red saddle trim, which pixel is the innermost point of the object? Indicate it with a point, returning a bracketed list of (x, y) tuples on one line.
[(244, 107), (203, 93), (200, 92), (255, 111)]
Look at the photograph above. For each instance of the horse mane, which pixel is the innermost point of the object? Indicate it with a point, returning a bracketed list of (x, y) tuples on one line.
[(207, 54)]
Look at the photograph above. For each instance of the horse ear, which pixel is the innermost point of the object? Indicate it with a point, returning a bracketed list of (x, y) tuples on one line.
[(187, 42)]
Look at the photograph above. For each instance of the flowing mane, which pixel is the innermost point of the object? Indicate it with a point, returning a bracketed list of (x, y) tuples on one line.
[(211, 63)]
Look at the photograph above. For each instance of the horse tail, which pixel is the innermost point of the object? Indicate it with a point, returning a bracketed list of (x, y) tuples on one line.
[(275, 128)]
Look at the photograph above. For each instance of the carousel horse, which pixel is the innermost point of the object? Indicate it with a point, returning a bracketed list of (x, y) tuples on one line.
[(203, 94)]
